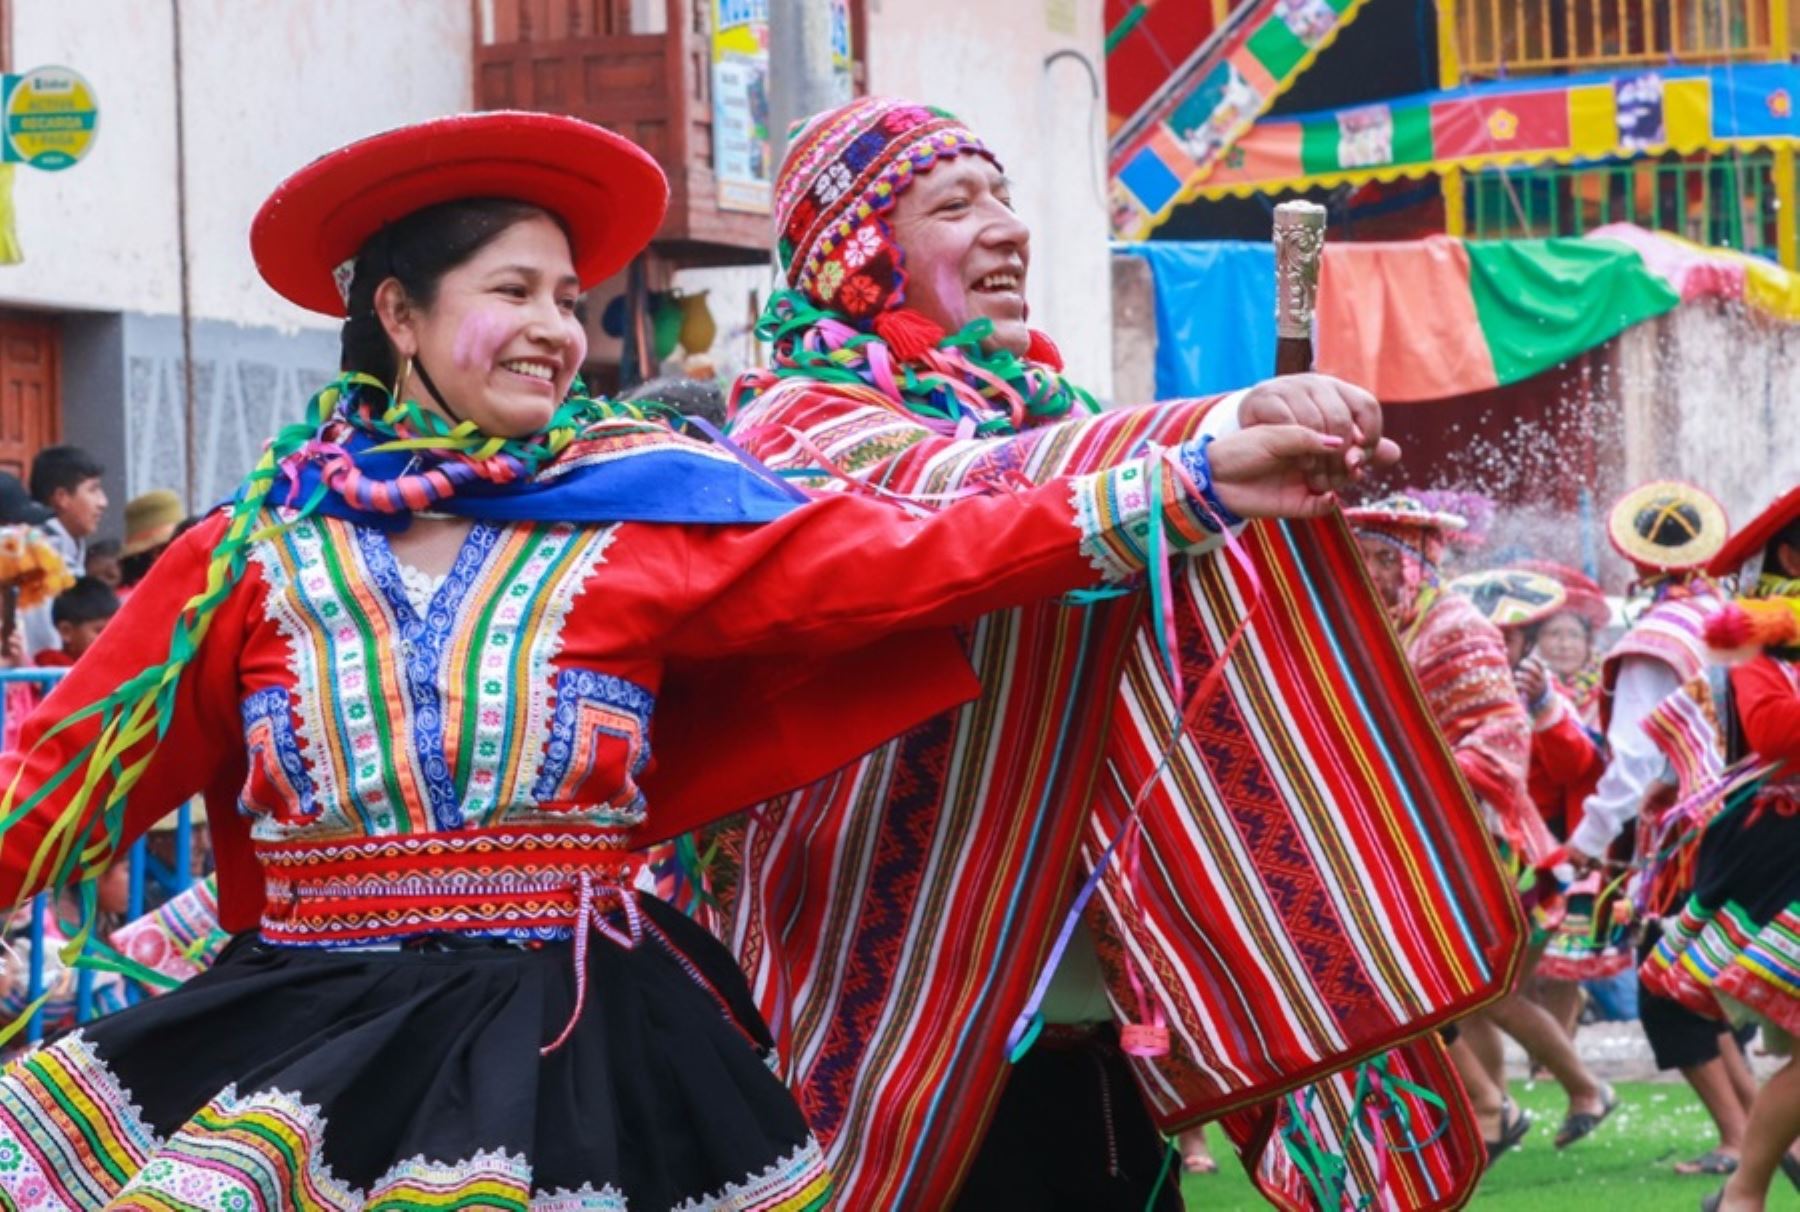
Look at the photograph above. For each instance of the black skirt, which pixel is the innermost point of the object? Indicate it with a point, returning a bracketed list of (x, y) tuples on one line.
[(1734, 952), (412, 1078)]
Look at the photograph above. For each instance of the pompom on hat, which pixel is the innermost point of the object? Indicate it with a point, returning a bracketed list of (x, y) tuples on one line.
[(1668, 526), (606, 191), (1511, 597), (844, 171)]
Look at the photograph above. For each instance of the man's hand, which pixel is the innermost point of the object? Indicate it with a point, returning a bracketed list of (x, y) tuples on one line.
[(1327, 406), (12, 652)]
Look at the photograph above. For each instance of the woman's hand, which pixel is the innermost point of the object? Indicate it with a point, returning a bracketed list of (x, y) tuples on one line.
[(1271, 471), (1328, 406), (1531, 679)]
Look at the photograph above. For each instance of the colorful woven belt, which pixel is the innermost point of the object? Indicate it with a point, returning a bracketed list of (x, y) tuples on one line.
[(525, 883), (535, 883)]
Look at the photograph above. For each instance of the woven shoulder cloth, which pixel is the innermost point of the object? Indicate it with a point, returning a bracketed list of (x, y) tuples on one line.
[(1313, 890)]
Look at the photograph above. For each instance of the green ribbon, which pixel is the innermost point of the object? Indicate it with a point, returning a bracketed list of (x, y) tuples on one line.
[(1324, 1171), (790, 315), (1365, 1092)]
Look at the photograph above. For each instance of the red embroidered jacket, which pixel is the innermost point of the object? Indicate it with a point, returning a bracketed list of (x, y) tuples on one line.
[(507, 725), (1766, 694), (1566, 765)]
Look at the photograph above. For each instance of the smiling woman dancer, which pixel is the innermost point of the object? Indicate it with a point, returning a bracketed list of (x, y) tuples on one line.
[(413, 667)]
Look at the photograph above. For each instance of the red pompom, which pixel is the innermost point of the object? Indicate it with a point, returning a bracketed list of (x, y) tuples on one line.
[(1729, 628), (1043, 349), (908, 335)]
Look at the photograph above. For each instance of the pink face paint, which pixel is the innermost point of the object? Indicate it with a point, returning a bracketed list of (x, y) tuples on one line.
[(478, 339), (575, 352), (952, 295)]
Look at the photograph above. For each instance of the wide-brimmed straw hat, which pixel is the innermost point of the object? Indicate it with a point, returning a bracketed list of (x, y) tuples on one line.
[(1583, 595), (1403, 512), (1668, 526)]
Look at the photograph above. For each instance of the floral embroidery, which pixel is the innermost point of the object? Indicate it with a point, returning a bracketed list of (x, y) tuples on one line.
[(831, 184), (864, 244), (859, 294), (465, 681), (70, 1126)]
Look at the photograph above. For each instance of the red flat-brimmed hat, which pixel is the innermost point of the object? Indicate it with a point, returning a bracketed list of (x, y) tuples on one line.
[(1512, 597), (605, 189), (1756, 535), (1585, 597)]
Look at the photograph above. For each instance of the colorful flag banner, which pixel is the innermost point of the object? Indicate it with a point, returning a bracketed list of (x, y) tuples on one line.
[(1494, 312), (1160, 154), (1613, 115)]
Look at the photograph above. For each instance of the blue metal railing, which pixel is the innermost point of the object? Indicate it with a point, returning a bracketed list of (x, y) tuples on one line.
[(176, 877)]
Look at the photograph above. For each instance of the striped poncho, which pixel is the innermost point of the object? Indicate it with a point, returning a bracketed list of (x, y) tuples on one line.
[(1313, 885)]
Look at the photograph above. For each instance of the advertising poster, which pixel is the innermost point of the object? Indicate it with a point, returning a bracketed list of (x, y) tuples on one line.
[(740, 80)]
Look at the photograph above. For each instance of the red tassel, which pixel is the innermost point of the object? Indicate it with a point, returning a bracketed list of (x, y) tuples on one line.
[(909, 336), (1730, 628), (1043, 349)]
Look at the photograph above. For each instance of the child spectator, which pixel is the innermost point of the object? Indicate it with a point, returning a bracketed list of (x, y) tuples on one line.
[(103, 562), (66, 479), (80, 613)]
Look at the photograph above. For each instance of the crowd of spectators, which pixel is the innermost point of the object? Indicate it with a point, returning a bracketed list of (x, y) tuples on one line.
[(64, 500)]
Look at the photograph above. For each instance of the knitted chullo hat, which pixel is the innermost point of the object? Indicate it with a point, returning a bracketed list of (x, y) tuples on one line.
[(1405, 520), (845, 168)]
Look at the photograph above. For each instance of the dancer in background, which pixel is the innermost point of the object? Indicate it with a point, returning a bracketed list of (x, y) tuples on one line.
[(1730, 955), (1460, 659), (1668, 530)]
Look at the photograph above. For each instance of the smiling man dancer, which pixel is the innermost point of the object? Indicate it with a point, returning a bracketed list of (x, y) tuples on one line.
[(897, 918)]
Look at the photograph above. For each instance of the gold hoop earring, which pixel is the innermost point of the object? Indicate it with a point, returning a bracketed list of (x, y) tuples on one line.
[(401, 378)]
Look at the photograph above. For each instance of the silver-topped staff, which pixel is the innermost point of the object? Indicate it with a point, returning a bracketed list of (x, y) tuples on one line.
[(1299, 247)]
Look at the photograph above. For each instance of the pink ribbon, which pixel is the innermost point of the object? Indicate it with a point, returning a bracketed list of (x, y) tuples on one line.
[(590, 915)]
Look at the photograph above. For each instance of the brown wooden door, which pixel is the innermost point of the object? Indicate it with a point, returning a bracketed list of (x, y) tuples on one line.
[(30, 389)]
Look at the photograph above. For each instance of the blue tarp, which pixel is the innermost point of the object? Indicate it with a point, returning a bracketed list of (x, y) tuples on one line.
[(1215, 314)]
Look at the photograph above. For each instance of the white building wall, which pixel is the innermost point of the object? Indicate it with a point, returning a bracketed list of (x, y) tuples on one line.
[(101, 234), (990, 62), (1707, 395), (268, 85)]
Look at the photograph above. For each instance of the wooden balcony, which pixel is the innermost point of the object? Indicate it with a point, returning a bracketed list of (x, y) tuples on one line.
[(1496, 38), (648, 78)]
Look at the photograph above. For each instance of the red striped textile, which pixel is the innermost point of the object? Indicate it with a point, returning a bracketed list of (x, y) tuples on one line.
[(1314, 884)]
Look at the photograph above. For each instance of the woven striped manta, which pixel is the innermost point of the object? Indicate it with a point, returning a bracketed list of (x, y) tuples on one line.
[(1313, 891)]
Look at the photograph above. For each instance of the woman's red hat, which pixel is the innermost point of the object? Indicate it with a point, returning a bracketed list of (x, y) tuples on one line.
[(1755, 537), (605, 189)]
